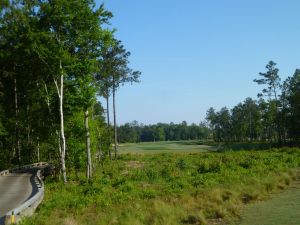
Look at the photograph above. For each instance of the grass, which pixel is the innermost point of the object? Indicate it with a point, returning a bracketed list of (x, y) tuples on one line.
[(165, 147), (282, 208), (179, 188)]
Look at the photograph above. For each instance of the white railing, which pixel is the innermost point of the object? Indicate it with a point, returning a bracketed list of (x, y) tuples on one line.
[(4, 172)]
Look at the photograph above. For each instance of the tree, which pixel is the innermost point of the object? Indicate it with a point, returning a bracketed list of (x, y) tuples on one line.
[(272, 80), (211, 118), (48, 81), (292, 97), (115, 73), (104, 81), (72, 33), (16, 55)]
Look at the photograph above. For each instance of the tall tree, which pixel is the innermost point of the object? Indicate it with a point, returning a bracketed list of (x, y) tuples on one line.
[(104, 80), (115, 73), (71, 31), (292, 96), (16, 21), (272, 80)]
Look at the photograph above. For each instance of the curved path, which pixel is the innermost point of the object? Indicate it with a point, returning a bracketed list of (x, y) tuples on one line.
[(16, 188)]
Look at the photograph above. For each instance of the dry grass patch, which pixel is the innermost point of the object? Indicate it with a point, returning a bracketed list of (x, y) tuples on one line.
[(70, 221), (134, 164)]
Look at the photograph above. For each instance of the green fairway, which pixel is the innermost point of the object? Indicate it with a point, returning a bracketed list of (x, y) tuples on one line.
[(165, 147), (281, 209)]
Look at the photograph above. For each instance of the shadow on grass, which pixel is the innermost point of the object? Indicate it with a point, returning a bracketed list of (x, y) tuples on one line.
[(246, 146), (194, 142), (154, 148)]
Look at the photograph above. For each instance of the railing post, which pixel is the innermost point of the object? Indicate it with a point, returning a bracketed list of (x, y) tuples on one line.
[(12, 217)]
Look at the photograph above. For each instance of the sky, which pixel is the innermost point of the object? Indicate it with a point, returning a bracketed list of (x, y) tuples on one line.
[(197, 54)]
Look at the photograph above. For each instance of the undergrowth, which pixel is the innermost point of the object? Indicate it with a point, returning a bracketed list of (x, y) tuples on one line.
[(204, 188)]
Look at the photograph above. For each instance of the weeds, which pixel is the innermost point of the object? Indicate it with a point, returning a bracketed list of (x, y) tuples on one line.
[(168, 188)]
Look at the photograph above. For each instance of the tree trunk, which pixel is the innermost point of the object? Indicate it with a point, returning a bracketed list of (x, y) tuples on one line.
[(100, 153), (59, 149), (88, 145), (47, 97), (17, 136), (38, 149), (62, 128), (250, 128), (30, 148), (115, 122), (278, 121), (108, 123), (60, 94)]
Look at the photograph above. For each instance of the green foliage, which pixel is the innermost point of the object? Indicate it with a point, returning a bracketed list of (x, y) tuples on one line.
[(271, 79), (40, 41)]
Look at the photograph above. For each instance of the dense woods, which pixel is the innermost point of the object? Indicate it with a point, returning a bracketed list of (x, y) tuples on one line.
[(57, 58), (273, 117)]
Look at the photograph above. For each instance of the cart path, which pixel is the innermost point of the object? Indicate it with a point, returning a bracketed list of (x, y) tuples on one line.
[(15, 188)]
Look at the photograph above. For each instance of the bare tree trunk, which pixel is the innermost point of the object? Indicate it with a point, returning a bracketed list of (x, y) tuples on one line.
[(47, 97), (107, 111), (108, 123), (59, 149), (30, 148), (60, 92), (62, 129), (38, 149), (18, 145), (278, 121), (100, 154), (250, 128), (115, 122), (88, 145)]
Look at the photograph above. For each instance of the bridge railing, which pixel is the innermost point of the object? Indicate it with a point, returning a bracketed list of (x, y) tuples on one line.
[(28, 207), (25, 167), (4, 172)]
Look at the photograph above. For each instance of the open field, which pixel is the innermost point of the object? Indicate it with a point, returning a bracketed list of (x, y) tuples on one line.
[(165, 147), (186, 188)]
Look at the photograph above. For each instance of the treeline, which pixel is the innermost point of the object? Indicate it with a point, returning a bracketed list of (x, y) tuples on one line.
[(57, 57), (273, 117), (135, 132)]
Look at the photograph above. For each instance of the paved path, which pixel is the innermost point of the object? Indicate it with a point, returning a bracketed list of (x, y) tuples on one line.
[(15, 188)]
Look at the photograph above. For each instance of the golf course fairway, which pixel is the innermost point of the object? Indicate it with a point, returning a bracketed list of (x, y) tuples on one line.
[(282, 209)]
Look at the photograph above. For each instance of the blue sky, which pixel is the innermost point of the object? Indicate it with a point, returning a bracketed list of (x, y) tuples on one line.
[(196, 54)]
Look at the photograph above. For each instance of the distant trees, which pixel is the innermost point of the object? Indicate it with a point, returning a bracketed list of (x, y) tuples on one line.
[(135, 132), (241, 123), (274, 119)]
